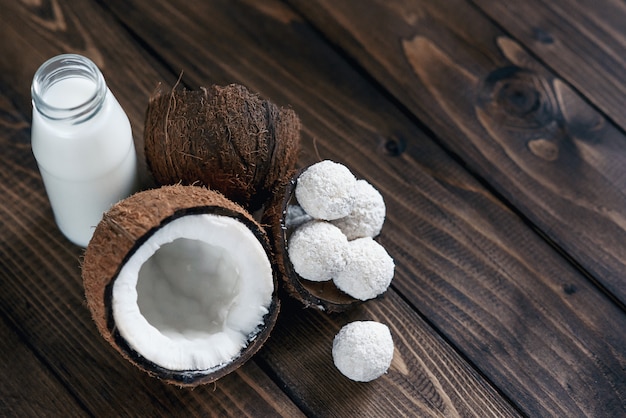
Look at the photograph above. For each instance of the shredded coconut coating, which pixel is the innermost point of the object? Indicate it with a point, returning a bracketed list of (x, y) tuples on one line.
[(317, 250), (368, 213), (368, 271), (325, 190), (363, 350)]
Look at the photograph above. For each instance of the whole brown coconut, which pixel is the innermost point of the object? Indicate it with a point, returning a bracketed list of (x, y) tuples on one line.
[(225, 138), (320, 295), (179, 280)]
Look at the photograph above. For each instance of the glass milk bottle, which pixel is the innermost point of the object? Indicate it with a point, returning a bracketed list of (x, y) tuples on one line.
[(82, 141)]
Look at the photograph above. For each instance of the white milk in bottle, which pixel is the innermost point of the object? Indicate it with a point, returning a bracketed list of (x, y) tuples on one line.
[(82, 141)]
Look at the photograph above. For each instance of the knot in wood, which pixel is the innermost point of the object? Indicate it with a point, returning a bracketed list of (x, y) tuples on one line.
[(543, 36), (518, 98), (393, 146), (545, 149)]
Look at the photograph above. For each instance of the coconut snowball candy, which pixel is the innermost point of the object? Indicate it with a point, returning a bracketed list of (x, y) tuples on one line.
[(317, 250), (368, 213), (179, 280), (368, 271), (363, 350), (325, 190)]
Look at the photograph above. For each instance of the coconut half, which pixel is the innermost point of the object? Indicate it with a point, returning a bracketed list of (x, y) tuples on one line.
[(322, 295), (180, 281)]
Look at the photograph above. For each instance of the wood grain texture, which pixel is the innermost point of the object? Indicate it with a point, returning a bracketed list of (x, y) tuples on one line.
[(231, 396), (527, 318), (518, 126), (585, 41), (427, 378), (523, 318), (23, 377)]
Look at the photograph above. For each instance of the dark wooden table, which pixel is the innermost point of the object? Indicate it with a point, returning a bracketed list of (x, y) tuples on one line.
[(496, 132)]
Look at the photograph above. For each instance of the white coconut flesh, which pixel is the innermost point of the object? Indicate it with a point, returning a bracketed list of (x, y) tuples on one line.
[(194, 294)]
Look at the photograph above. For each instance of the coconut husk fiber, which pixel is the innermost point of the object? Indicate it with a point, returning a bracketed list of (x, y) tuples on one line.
[(225, 138)]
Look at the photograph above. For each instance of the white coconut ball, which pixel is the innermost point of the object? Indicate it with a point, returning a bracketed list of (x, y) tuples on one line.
[(368, 271), (317, 250), (363, 350), (325, 190), (368, 213)]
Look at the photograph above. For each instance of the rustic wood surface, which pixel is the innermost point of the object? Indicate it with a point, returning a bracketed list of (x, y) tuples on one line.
[(495, 134)]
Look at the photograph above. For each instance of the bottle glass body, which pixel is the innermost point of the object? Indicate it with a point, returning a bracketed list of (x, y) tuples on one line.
[(82, 141)]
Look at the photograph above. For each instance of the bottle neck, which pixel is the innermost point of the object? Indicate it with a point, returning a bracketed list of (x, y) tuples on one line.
[(68, 88)]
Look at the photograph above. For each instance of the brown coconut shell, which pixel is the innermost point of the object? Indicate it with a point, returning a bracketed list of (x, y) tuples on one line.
[(320, 295), (225, 138), (123, 229)]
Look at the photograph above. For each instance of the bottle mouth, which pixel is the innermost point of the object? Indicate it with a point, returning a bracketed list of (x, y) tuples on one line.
[(58, 69)]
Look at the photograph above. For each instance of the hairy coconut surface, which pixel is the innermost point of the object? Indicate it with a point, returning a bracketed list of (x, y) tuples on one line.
[(320, 295), (163, 233), (225, 138)]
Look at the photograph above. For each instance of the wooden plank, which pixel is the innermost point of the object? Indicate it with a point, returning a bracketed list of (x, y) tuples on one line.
[(523, 130), (480, 396), (426, 377), (40, 287), (531, 322), (20, 368), (584, 41)]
